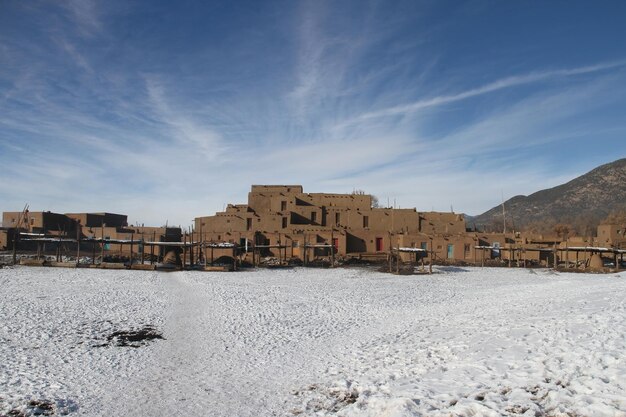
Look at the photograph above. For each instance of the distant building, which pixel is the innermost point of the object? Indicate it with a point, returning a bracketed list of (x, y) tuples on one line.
[(83, 226), (348, 222)]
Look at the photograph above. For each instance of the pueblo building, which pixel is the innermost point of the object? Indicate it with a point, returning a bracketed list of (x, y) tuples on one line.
[(285, 216), (50, 232), (289, 223)]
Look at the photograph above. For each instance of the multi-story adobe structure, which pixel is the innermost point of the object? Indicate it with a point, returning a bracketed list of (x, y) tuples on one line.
[(286, 215)]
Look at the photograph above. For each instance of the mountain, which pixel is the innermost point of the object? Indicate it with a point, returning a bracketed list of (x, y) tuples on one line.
[(581, 203)]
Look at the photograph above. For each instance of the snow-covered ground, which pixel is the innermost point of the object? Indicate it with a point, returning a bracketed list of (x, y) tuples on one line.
[(346, 342)]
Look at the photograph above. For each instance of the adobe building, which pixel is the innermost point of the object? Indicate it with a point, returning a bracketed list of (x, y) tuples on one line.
[(99, 219), (39, 222), (612, 235), (285, 215), (83, 226)]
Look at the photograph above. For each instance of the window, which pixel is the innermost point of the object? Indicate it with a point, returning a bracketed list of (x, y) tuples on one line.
[(283, 205), (337, 218), (248, 224), (313, 217), (284, 222), (424, 245), (366, 221)]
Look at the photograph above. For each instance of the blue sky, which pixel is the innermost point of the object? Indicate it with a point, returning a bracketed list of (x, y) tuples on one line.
[(169, 110)]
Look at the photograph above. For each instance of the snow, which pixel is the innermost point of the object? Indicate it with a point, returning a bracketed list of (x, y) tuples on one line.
[(314, 342)]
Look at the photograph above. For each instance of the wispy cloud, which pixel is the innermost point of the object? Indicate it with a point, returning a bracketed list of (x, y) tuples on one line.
[(175, 119), (85, 14), (504, 83)]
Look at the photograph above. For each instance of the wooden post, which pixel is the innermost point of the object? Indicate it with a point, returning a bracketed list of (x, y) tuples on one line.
[(16, 233), (191, 249), (132, 238), (152, 247), (254, 250), (510, 255), (201, 257), (389, 254), (398, 262), (204, 248), (78, 245), (304, 251), (554, 254), (332, 248), (184, 249), (102, 245), (430, 266), (143, 248), (482, 250)]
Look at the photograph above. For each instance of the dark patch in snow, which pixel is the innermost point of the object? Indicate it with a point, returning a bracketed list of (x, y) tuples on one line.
[(43, 408), (129, 338), (134, 338)]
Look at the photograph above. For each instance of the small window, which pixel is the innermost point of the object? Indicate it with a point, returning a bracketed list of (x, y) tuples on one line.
[(366, 221), (248, 224), (313, 217), (337, 218), (283, 205), (284, 222)]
